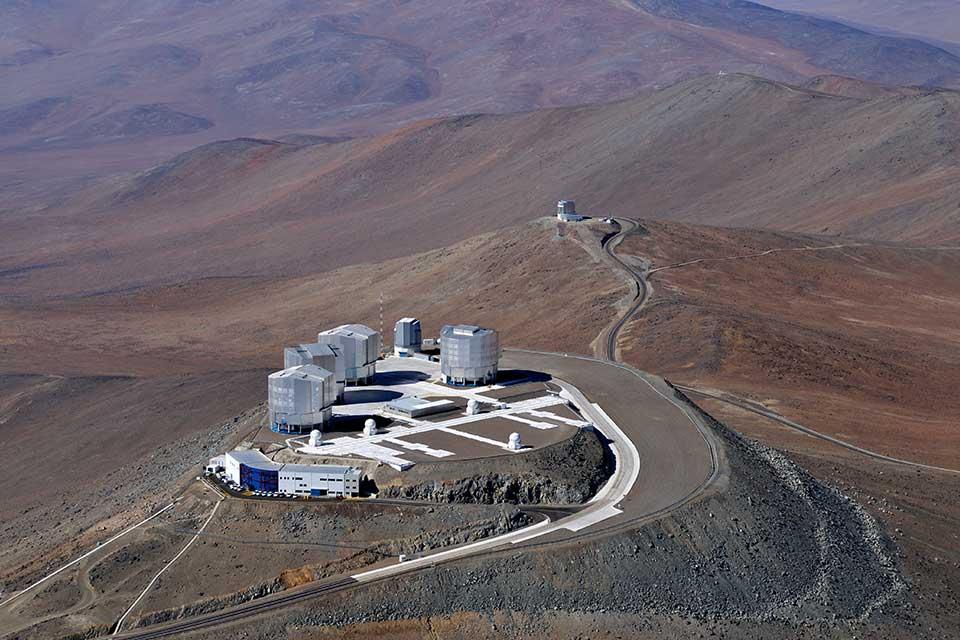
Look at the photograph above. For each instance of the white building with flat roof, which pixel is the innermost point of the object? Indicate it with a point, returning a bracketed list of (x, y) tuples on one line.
[(250, 469)]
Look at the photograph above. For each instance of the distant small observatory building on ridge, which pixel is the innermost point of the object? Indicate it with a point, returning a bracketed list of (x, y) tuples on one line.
[(567, 211), (469, 355)]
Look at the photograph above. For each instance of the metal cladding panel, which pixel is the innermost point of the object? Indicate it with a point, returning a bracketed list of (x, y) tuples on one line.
[(296, 356), (301, 395), (407, 333), (469, 352), (360, 346), (329, 357), (313, 479)]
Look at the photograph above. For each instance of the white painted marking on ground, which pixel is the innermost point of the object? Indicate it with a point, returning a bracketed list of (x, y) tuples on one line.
[(552, 416), (473, 436), (593, 517), (422, 448), (533, 424)]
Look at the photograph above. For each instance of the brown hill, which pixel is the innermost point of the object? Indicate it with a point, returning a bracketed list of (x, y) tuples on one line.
[(858, 341), (853, 88), (238, 68), (730, 150)]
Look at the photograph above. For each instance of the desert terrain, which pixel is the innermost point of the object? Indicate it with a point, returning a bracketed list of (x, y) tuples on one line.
[(754, 329), (733, 150), (930, 20), (682, 332), (95, 80)]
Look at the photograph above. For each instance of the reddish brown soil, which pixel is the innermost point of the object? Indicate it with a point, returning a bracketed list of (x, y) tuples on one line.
[(861, 342), (784, 158), (514, 281), (88, 86)]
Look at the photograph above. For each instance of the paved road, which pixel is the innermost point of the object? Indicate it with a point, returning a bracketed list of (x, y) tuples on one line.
[(666, 458), (606, 344)]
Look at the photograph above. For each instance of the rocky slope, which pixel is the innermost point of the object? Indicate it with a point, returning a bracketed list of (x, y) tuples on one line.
[(568, 472), (772, 552)]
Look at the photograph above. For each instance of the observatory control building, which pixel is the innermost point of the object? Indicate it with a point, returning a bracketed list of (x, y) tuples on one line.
[(360, 347), (300, 398), (256, 472), (469, 355)]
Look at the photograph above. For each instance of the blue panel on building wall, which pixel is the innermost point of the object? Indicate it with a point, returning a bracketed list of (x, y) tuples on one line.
[(259, 479), (316, 493)]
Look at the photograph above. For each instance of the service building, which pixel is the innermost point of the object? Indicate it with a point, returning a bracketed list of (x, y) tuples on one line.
[(256, 472)]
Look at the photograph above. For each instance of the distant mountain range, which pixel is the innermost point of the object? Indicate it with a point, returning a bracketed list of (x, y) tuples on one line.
[(932, 20), (733, 150), (87, 73)]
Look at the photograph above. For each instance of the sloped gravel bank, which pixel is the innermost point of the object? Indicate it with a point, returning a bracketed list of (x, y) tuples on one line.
[(568, 472), (774, 546)]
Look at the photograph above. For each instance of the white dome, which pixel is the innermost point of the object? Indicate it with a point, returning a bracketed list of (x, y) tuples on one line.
[(370, 427), (514, 442), (473, 407), (315, 436)]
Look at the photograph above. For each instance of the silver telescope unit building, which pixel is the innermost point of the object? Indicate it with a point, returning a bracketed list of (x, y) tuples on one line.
[(324, 356), (360, 347), (469, 355), (407, 337), (300, 398)]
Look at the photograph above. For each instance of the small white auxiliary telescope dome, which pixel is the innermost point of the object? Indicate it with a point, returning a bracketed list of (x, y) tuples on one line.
[(315, 438), (370, 427), (473, 407), (514, 443)]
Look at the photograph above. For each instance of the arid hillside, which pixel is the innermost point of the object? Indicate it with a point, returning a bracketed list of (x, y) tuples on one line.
[(88, 82), (859, 340), (732, 150)]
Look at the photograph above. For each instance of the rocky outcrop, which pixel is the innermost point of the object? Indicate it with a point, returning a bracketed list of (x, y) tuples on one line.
[(568, 472)]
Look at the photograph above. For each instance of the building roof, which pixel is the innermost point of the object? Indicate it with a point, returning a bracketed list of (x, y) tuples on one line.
[(255, 458), (317, 468), (463, 330), (409, 403), (359, 330), (317, 349), (407, 320), (304, 372)]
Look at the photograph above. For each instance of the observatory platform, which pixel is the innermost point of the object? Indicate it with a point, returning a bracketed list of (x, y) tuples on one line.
[(528, 410)]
